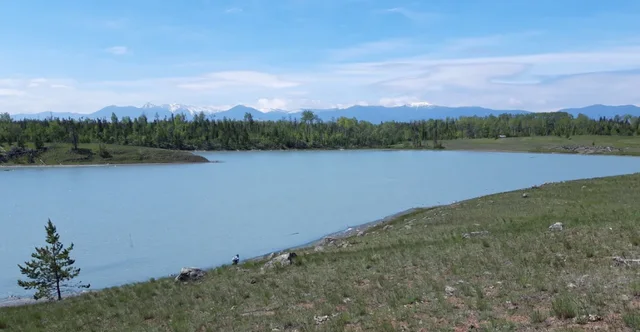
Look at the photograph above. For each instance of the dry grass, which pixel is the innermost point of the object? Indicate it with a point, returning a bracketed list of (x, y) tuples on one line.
[(419, 275)]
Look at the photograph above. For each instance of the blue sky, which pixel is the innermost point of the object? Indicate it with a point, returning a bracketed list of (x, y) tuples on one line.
[(80, 56)]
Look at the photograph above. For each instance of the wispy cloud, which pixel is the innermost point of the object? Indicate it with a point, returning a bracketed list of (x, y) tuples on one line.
[(237, 78), (185, 34), (115, 23), (11, 92), (103, 23), (478, 42), (370, 48), (536, 81), (60, 86), (36, 82), (413, 15), (233, 10), (118, 50)]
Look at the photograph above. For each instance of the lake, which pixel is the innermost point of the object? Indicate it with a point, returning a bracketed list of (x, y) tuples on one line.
[(132, 223)]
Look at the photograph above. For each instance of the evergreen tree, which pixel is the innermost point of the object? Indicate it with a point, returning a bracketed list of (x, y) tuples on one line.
[(307, 131), (50, 268)]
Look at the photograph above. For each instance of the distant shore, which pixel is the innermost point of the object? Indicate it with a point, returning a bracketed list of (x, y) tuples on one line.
[(9, 167), (56, 155), (61, 155)]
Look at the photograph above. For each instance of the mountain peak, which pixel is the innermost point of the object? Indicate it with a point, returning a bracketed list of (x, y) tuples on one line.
[(413, 111), (242, 108), (420, 104), (149, 105), (173, 107)]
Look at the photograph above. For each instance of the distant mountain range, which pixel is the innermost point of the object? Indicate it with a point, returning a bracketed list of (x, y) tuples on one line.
[(374, 114)]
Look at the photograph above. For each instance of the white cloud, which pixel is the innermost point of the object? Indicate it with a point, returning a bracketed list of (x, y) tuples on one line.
[(293, 103), (60, 86), (486, 43), (377, 47), (118, 50), (537, 82), (237, 78), (413, 15), (8, 82), (266, 104), (233, 10), (11, 93), (36, 82), (398, 101)]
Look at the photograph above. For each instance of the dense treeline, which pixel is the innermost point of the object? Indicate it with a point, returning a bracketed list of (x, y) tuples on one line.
[(309, 132)]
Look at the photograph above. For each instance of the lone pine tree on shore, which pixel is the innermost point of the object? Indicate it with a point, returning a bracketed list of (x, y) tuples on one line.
[(50, 268)]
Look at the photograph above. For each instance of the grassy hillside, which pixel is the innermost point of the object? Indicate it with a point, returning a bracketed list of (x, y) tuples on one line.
[(87, 154), (418, 273), (615, 145)]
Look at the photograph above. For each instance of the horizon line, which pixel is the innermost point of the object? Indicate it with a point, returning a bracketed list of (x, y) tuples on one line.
[(213, 110)]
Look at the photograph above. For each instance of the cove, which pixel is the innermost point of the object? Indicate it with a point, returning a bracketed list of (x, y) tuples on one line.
[(132, 223)]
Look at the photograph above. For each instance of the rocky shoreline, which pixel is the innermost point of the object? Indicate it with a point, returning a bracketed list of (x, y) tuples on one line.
[(15, 301), (581, 149), (331, 238)]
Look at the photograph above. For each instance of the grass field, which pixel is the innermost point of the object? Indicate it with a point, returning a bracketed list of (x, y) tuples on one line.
[(416, 273), (621, 145), (91, 154)]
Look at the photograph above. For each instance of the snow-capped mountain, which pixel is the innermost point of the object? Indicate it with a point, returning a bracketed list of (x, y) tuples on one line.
[(177, 108), (420, 104), (371, 113)]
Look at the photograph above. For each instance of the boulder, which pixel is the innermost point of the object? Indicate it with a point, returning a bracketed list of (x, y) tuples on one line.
[(329, 240), (472, 234), (320, 319), (190, 274), (282, 260), (556, 227), (449, 290)]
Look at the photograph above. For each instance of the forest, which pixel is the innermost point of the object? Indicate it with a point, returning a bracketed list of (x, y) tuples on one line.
[(307, 133)]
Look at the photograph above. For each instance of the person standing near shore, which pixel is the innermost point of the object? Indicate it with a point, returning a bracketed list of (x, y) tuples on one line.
[(236, 259)]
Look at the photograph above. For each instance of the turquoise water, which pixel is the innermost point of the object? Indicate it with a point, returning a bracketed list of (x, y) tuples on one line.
[(132, 223)]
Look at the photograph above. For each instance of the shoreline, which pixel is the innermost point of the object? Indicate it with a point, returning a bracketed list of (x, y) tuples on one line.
[(351, 231), (7, 167), (354, 230), (14, 301)]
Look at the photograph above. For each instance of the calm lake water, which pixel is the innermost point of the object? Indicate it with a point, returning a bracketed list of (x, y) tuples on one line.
[(131, 223)]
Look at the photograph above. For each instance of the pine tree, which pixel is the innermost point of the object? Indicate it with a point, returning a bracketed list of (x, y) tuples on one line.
[(50, 268)]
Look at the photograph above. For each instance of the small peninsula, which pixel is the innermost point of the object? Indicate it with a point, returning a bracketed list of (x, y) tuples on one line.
[(63, 154)]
